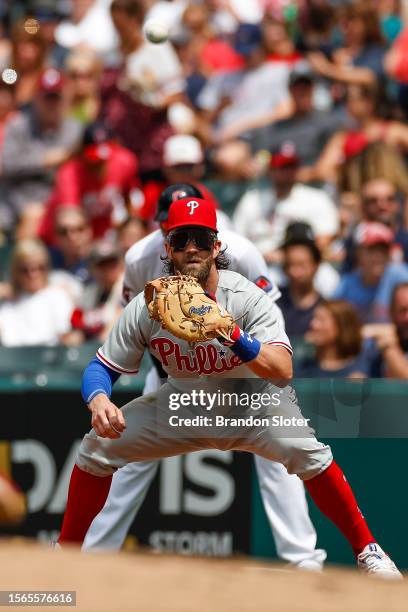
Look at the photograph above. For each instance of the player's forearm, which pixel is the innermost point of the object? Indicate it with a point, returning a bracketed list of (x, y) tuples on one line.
[(272, 362), (265, 360), (396, 362)]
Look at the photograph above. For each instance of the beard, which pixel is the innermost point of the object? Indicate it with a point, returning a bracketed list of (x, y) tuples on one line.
[(200, 271)]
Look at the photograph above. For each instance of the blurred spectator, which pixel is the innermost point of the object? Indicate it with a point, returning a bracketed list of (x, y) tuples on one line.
[(7, 106), (183, 162), (219, 88), (386, 350), (35, 143), (101, 302), (268, 74), (37, 313), (102, 179), (7, 111), (204, 56), (262, 215), (73, 243), (83, 71), (131, 231), (317, 19), (301, 259), (369, 287), (309, 129), (278, 37), (47, 17), (380, 202), (136, 95), (360, 59), (326, 279), (362, 105), (335, 333), (91, 25), (183, 159), (28, 57), (375, 160), (226, 16), (208, 53)]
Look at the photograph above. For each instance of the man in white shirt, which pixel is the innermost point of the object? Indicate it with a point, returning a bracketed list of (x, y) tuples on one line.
[(262, 215), (90, 24)]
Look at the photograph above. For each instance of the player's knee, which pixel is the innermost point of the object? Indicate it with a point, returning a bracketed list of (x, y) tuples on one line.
[(308, 458), (91, 457)]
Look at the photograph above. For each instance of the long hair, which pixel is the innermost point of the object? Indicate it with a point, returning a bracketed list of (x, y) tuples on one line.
[(378, 160), (349, 339)]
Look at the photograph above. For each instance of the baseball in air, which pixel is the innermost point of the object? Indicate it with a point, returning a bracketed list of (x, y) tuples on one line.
[(156, 31)]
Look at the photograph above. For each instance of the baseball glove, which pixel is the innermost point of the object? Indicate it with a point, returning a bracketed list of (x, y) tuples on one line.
[(13, 507), (182, 307)]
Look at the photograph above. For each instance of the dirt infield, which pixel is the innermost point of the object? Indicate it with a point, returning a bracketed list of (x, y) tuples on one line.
[(146, 582)]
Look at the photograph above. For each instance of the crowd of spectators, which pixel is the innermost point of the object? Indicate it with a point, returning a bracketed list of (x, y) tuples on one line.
[(290, 114)]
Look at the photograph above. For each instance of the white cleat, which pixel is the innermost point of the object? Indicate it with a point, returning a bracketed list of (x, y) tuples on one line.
[(308, 565), (374, 561)]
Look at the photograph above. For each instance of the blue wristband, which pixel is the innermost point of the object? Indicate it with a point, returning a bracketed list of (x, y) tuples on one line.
[(97, 378), (246, 347)]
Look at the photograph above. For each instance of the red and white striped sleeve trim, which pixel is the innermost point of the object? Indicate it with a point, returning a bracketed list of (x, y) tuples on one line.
[(113, 366), (284, 344)]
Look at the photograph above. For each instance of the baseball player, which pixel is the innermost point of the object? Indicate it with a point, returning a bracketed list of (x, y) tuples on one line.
[(246, 342), (283, 494)]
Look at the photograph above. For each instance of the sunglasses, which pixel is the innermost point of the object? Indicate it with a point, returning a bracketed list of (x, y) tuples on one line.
[(202, 238), (374, 199), (74, 229)]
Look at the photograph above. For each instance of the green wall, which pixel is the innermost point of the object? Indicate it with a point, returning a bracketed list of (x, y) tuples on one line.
[(376, 469)]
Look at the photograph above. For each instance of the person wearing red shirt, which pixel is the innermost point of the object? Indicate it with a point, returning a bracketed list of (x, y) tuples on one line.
[(102, 179)]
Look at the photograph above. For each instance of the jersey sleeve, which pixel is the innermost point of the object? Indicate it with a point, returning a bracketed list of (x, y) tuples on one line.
[(263, 322), (132, 283), (123, 349)]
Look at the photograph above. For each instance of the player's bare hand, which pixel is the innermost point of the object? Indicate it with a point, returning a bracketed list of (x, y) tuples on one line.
[(107, 419)]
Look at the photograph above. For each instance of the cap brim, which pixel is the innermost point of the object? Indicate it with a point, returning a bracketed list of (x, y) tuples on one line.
[(184, 225)]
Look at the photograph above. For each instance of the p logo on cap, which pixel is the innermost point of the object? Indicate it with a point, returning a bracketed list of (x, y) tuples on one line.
[(192, 212), (192, 204)]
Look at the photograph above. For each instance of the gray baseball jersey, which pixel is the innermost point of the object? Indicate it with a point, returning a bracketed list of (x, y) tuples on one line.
[(135, 332), (143, 263)]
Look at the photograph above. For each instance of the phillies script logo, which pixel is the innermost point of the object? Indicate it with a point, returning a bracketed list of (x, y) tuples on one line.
[(205, 359)]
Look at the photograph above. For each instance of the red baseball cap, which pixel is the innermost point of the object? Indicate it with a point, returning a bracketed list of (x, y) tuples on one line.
[(285, 156), (191, 212), (372, 232), (51, 81), (98, 152)]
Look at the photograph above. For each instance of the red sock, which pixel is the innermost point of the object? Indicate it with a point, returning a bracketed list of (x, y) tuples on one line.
[(333, 496), (86, 497)]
